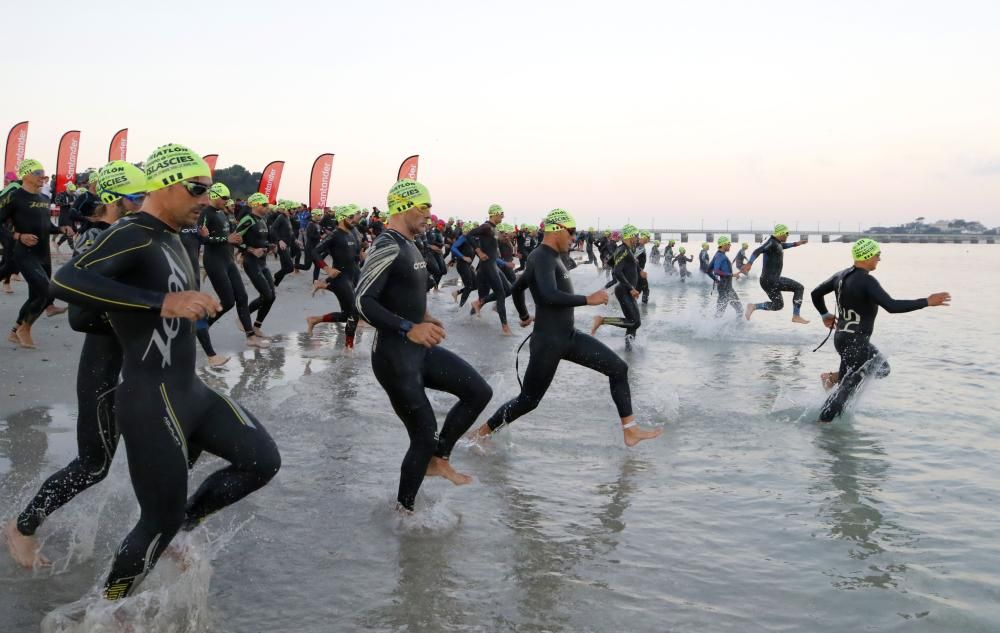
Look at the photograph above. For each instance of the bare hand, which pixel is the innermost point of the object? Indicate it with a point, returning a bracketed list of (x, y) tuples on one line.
[(745, 269), (426, 334), (331, 271), (829, 321), (282, 245), (598, 298), (189, 304), (527, 322), (468, 260), (203, 230), (235, 238), (257, 252), (939, 299), (29, 239), (482, 256), (634, 293), (642, 273)]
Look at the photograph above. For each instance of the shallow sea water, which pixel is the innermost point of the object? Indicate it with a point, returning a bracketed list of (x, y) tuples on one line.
[(745, 516)]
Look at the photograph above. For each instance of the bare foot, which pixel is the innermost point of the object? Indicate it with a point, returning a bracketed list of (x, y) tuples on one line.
[(24, 339), (7, 288), (454, 296), (441, 468), (256, 341), (797, 319), (317, 286), (829, 379), (750, 308), (476, 307), (312, 322), (218, 360), (52, 310), (482, 433), (506, 331), (12, 337), (259, 332), (636, 434), (598, 322), (23, 549)]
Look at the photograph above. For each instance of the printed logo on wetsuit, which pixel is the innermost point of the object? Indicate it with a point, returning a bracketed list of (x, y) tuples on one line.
[(176, 282), (419, 265)]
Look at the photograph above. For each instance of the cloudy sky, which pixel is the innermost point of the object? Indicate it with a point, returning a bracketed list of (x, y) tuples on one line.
[(670, 113)]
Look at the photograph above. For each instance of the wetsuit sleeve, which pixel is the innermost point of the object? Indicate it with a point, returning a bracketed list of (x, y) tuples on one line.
[(456, 246), (547, 287), (374, 277), (887, 303), (758, 252), (322, 250), (789, 244), (215, 236), (89, 279), (619, 271), (244, 225), (819, 294), (475, 235)]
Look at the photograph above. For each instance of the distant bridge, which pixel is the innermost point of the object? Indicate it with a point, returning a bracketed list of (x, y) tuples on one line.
[(831, 236)]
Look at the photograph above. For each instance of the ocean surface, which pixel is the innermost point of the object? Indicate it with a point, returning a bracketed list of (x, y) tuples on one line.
[(745, 516)]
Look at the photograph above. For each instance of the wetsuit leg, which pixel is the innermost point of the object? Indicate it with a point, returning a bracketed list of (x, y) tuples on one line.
[(546, 352), (342, 287), (495, 283), (631, 320), (644, 289), (442, 267), (285, 258), (727, 297), (468, 279), (858, 360), (96, 431), (587, 351), (228, 284), (445, 371), (260, 276), (36, 274)]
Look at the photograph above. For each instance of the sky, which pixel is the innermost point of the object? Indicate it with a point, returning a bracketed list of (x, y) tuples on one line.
[(666, 114)]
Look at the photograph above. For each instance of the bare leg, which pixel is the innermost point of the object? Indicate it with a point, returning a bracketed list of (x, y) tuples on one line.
[(750, 308)]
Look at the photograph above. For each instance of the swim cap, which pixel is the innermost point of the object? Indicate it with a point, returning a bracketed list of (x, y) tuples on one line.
[(347, 211), (646, 234), (557, 220), (629, 231), (864, 249), (671, 242), (172, 163), (681, 250), (27, 166), (615, 236), (405, 195), (496, 209), (704, 245), (316, 213), (780, 229), (217, 191), (257, 200), (723, 240), (119, 178), (745, 245), (70, 187)]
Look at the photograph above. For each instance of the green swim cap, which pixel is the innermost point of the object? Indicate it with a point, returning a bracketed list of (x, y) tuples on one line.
[(495, 209), (347, 211), (704, 245), (557, 220), (681, 250), (218, 190), (671, 242), (744, 245), (723, 240), (258, 200), (316, 213), (864, 249), (405, 195), (629, 231), (119, 178), (780, 229), (172, 163), (27, 166), (70, 187)]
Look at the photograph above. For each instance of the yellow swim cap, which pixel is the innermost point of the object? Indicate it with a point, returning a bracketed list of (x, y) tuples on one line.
[(864, 249), (405, 195), (118, 179), (172, 163), (557, 220), (218, 190), (27, 166), (257, 200)]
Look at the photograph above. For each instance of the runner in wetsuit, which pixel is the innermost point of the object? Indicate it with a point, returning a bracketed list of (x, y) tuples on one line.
[(121, 188), (138, 273), (704, 261), (859, 296), (406, 355), (654, 254), (253, 229), (192, 240), (555, 338), (668, 258), (589, 241), (640, 258), (682, 261), (462, 254), (722, 271), (28, 211), (626, 276), (313, 238), (281, 234), (342, 277), (507, 275), (741, 257), (7, 265), (219, 238), (488, 277), (771, 281)]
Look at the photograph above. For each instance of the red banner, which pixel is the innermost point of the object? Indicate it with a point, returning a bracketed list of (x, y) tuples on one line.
[(408, 169), (17, 140), (69, 147), (119, 145), (270, 179), (211, 159), (319, 181)]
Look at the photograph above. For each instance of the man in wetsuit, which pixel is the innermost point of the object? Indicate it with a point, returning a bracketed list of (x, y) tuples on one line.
[(281, 234), (314, 235), (406, 354), (219, 239), (668, 258), (859, 296), (192, 240), (625, 278), (741, 256), (722, 272), (771, 281), (488, 277), (555, 338), (138, 273), (462, 254), (640, 258), (591, 258), (28, 211), (342, 276), (704, 261), (682, 260), (121, 188), (255, 246)]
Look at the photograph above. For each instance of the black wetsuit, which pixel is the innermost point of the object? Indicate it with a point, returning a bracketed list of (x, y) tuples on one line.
[(281, 231), (591, 258), (255, 234), (488, 276), (722, 272), (435, 254), (459, 250), (165, 413), (313, 238), (643, 285), (859, 296), (741, 258), (771, 280), (96, 430), (682, 261), (668, 260), (221, 267), (704, 264), (626, 276), (192, 245), (555, 338), (391, 296), (345, 249), (29, 214)]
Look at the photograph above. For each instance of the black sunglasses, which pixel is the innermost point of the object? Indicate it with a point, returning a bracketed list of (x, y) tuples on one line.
[(196, 189)]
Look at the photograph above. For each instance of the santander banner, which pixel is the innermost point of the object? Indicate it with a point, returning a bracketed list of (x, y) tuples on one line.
[(211, 159), (270, 179), (69, 147), (319, 181), (17, 141), (119, 145), (408, 169)]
